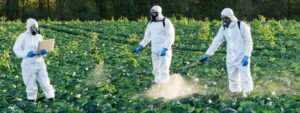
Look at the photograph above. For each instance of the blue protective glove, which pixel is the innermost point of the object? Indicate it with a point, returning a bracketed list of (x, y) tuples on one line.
[(138, 49), (30, 54), (245, 61), (204, 58), (43, 52), (163, 52)]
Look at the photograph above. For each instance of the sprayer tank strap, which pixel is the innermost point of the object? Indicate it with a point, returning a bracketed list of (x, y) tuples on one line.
[(239, 24), (163, 21)]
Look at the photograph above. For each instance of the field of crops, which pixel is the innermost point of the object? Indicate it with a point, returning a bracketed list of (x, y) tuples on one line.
[(93, 69)]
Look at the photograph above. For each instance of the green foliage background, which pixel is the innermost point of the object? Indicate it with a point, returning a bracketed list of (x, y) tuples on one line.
[(134, 9)]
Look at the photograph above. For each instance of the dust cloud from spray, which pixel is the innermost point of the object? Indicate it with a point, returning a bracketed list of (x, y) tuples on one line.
[(177, 87), (96, 76)]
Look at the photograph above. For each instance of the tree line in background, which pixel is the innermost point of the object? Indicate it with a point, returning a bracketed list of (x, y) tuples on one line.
[(134, 9)]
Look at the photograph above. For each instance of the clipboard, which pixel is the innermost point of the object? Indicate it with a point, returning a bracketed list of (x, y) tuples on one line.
[(47, 45)]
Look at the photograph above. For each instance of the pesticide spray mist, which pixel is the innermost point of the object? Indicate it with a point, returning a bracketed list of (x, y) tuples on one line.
[(177, 87), (96, 76)]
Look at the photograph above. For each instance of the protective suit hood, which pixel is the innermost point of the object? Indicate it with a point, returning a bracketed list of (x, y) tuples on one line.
[(31, 22), (229, 13), (157, 9)]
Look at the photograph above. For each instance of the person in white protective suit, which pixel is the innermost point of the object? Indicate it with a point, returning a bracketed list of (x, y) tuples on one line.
[(239, 47), (160, 31), (33, 64)]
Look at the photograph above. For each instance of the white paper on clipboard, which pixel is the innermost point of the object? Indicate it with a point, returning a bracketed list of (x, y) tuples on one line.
[(47, 45)]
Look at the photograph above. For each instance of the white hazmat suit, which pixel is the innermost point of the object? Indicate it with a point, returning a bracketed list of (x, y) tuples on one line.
[(161, 37), (239, 44), (33, 69)]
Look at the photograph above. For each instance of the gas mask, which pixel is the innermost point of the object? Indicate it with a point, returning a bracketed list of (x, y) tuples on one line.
[(153, 16), (34, 30), (226, 21)]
